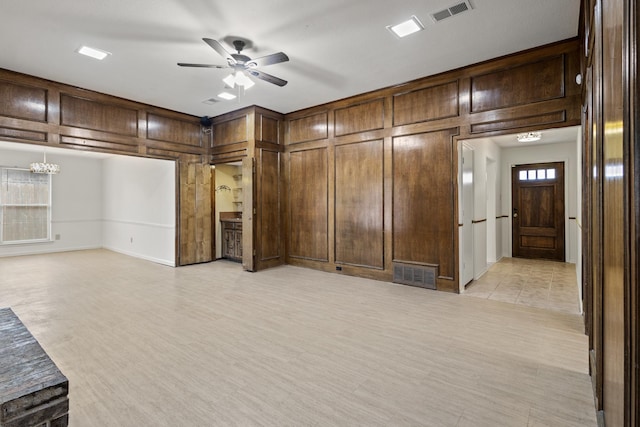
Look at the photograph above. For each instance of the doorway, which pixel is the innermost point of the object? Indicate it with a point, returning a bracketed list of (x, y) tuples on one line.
[(227, 206), (538, 211), (232, 212)]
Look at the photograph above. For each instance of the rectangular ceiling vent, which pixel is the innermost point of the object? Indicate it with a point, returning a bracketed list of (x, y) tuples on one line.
[(456, 9), (210, 101), (423, 276)]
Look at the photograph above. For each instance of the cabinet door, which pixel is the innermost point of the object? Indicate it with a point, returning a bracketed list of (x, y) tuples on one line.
[(228, 246), (238, 246)]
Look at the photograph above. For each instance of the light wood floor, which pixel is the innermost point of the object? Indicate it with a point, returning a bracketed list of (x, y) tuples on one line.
[(210, 345), (536, 283)]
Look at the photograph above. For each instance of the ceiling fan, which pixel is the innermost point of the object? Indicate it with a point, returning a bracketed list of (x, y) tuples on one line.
[(240, 62)]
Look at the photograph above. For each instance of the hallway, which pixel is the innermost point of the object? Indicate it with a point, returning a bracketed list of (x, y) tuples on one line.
[(534, 283)]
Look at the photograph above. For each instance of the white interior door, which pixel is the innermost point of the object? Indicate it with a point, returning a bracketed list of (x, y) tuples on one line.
[(491, 211), (466, 216)]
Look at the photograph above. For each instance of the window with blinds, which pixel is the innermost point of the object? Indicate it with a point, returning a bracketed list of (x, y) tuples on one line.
[(25, 206)]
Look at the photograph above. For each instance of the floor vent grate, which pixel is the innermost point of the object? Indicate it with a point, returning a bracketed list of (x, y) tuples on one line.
[(423, 276)]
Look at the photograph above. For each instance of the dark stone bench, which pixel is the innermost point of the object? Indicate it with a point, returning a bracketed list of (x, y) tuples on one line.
[(33, 391)]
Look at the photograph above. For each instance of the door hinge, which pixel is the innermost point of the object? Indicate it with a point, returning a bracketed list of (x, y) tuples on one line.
[(254, 211), (254, 252)]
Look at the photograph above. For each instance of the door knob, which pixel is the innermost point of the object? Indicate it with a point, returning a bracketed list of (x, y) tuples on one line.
[(515, 215)]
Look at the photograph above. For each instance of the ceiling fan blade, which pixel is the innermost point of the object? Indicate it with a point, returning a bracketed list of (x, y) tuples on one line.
[(267, 77), (274, 58), (183, 64), (215, 45)]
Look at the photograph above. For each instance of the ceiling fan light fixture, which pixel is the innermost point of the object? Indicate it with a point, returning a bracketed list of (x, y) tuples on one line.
[(93, 52), (238, 78), (243, 80), (529, 136), (230, 80), (407, 27)]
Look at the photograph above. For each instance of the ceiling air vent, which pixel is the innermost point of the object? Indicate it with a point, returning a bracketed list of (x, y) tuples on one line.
[(456, 9)]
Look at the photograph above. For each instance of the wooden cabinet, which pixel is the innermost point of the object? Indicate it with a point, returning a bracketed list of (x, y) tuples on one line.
[(232, 239)]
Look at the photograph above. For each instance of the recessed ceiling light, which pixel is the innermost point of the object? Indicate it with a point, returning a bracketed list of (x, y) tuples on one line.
[(405, 28), (226, 95), (93, 53)]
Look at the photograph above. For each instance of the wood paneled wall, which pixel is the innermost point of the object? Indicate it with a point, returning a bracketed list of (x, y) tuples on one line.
[(359, 219), (423, 202), (355, 184), (308, 198), (38, 111), (269, 183), (610, 206), (371, 180)]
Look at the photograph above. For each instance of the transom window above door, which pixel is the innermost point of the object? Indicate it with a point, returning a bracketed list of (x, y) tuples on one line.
[(537, 174)]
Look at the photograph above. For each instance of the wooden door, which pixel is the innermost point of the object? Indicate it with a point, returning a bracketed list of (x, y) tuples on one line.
[(194, 188), (538, 211), (248, 171)]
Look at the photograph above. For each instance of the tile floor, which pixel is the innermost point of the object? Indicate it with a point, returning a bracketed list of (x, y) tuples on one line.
[(535, 283), (144, 344)]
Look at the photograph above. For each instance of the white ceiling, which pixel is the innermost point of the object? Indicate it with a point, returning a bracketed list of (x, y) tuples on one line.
[(337, 48), (549, 136)]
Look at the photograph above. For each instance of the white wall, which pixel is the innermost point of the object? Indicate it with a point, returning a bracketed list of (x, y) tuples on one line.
[(139, 211), (76, 202), (559, 152), (485, 152), (125, 204)]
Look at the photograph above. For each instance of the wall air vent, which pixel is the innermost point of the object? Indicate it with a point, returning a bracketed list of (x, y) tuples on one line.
[(423, 276), (456, 9)]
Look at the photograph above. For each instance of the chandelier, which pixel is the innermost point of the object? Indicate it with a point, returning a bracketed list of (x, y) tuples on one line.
[(529, 136), (44, 167)]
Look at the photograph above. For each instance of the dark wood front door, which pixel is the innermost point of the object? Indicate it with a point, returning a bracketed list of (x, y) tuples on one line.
[(538, 211)]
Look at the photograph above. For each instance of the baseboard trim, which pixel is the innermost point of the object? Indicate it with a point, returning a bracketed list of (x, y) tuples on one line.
[(144, 257)]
